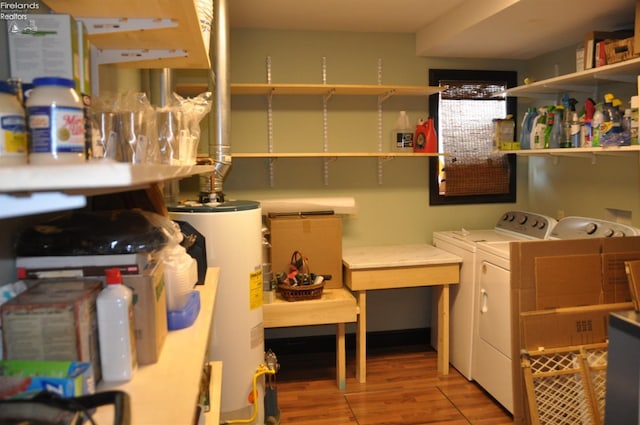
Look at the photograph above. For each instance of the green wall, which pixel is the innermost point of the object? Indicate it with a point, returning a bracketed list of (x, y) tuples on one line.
[(395, 211)]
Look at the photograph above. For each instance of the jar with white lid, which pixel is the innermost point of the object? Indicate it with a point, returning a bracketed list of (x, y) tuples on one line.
[(13, 132), (56, 122)]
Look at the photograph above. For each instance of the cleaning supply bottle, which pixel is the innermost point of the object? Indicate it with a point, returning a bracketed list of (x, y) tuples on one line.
[(538, 129), (586, 137), (610, 128), (425, 139), (402, 136), (556, 135), (526, 128), (596, 125), (116, 329)]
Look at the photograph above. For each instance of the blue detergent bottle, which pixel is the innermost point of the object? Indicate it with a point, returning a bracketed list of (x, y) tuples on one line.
[(527, 128)]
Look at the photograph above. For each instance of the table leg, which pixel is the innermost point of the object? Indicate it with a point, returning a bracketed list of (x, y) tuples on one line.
[(341, 362), (361, 338), (443, 330)]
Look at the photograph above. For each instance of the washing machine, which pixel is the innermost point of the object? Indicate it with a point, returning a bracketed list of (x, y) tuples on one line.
[(511, 225), (492, 306)]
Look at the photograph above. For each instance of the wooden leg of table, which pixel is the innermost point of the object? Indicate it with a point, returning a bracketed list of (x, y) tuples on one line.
[(443, 331), (361, 338), (341, 357)]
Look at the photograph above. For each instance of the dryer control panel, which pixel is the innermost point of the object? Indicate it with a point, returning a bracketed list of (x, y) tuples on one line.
[(585, 227), (535, 226)]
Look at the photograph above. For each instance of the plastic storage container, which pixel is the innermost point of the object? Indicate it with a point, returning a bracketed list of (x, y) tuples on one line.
[(116, 329), (56, 122), (13, 133)]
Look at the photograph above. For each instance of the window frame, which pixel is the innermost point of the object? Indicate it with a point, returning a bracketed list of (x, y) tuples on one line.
[(437, 75)]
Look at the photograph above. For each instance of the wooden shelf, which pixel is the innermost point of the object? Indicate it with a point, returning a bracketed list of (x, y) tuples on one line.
[(182, 358), (185, 36), (582, 81), (332, 154), (315, 89), (577, 152)]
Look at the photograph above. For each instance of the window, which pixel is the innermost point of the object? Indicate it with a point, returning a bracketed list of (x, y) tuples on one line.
[(463, 115)]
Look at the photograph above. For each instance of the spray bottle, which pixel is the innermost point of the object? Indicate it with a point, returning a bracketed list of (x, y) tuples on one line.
[(527, 127), (556, 136), (596, 125), (537, 129)]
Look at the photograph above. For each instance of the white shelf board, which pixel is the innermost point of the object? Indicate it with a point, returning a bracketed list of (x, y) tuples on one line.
[(90, 176), (38, 203), (584, 81)]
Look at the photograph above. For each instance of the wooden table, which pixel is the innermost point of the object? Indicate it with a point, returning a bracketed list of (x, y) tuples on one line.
[(400, 266), (335, 306)]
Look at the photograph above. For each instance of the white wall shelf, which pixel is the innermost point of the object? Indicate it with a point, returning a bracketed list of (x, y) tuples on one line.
[(582, 81), (114, 30), (587, 153), (31, 189)]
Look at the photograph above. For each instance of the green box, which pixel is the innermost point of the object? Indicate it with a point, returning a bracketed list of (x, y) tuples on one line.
[(66, 379)]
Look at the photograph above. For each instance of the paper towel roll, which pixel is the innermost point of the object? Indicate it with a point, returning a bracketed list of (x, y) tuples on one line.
[(339, 205)]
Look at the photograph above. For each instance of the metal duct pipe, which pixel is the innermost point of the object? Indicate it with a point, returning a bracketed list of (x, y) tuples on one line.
[(220, 121), (159, 84)]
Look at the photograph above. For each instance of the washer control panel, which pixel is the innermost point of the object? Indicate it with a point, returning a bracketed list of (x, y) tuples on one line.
[(535, 226), (585, 227)]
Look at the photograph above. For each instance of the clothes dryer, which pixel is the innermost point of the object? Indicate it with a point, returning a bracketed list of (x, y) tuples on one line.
[(511, 225)]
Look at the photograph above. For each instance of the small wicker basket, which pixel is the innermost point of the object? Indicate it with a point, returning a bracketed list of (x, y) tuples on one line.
[(298, 284)]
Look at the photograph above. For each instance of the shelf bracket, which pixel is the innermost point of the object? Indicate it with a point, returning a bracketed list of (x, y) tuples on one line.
[(270, 126), (96, 26), (111, 56)]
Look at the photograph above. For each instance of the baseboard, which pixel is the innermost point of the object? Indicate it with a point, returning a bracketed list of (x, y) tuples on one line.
[(326, 343)]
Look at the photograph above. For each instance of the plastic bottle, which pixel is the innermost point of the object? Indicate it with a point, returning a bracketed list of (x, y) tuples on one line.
[(116, 329), (574, 125), (611, 127), (56, 122), (596, 125), (13, 133), (402, 137), (527, 127), (556, 134), (538, 130), (626, 127), (634, 120)]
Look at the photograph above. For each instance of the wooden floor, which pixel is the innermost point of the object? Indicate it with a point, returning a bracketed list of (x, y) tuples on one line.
[(402, 388)]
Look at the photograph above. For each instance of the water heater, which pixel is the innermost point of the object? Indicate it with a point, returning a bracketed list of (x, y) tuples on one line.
[(233, 240)]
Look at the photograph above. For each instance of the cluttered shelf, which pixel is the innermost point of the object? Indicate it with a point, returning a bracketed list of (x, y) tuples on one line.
[(177, 368)]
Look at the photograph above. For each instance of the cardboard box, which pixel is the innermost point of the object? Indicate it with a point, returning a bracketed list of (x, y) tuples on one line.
[(66, 379), (49, 45), (53, 320), (571, 326), (149, 311), (318, 237), (591, 40), (568, 281)]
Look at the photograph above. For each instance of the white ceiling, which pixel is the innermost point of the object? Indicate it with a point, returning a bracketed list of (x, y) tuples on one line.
[(509, 29)]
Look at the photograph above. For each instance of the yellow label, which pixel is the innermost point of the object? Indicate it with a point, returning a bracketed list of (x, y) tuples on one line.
[(255, 290)]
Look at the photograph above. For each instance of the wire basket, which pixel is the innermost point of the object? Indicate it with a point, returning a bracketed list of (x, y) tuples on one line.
[(566, 385)]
